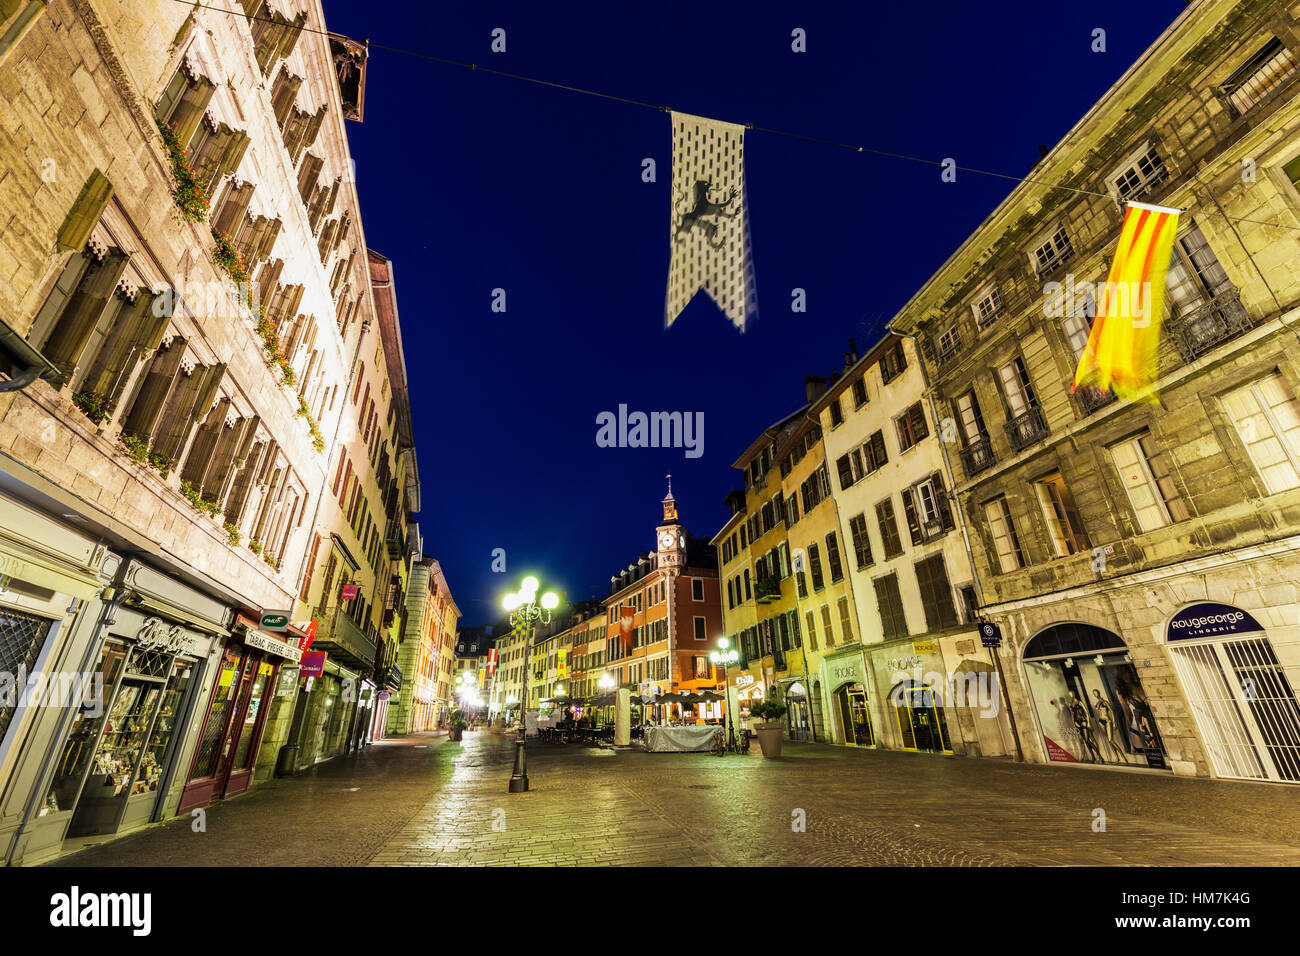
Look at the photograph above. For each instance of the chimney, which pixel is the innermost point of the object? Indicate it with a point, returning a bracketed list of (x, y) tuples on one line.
[(853, 349), (814, 387), (1042, 151)]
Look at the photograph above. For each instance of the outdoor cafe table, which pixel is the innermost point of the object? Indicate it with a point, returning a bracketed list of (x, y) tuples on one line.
[(680, 739)]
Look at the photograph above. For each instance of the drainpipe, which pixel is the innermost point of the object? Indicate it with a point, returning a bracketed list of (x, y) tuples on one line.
[(965, 533), (29, 363)]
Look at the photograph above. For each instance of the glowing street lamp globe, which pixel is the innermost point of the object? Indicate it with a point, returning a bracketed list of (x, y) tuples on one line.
[(510, 602), (550, 601)]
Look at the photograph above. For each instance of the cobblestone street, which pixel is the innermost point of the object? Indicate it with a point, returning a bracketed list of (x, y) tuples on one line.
[(424, 801)]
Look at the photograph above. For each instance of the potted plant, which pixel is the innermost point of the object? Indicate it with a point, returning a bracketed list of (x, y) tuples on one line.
[(770, 730), (456, 727)]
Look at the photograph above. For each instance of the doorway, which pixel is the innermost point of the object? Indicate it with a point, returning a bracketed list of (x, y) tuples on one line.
[(919, 712), (854, 718)]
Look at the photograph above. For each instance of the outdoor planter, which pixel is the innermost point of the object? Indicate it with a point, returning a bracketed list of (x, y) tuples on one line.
[(770, 735), (455, 733)]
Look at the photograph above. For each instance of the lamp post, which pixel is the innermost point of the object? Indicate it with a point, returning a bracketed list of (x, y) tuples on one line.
[(724, 655), (527, 613)]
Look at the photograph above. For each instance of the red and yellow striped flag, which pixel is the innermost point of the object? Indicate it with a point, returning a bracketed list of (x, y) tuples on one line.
[(1122, 349)]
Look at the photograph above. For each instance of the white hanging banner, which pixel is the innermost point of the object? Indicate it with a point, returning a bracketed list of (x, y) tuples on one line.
[(709, 227)]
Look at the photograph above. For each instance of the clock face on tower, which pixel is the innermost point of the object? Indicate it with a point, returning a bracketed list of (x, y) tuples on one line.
[(667, 539)]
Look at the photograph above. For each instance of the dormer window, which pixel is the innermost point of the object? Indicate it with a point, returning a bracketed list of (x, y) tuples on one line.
[(1139, 176)]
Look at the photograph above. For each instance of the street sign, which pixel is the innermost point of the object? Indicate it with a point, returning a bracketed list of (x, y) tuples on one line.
[(274, 621), (924, 647), (990, 634)]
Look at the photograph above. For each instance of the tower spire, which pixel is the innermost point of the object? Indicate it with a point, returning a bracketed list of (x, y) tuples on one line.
[(670, 503)]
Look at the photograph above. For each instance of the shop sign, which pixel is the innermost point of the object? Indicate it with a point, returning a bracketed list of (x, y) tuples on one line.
[(1211, 620), (157, 635), (903, 663), (313, 664), (350, 592), (744, 680), (265, 642), (990, 634), (309, 629), (277, 621), (288, 682), (924, 647), (844, 672), (562, 665)]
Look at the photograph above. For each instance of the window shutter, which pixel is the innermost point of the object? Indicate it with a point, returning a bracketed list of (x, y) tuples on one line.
[(188, 111), (920, 429), (147, 407), (878, 449), (941, 496), (107, 372), (83, 311), (85, 212), (845, 470), (909, 508)]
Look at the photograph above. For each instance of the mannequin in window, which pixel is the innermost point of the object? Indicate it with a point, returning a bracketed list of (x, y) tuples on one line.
[(1082, 724), (1106, 719)]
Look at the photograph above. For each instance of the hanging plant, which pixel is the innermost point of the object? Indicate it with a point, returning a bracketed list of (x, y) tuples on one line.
[(317, 439), (274, 349), (226, 257), (93, 406), (137, 449), (162, 464), (191, 196), (232, 533)]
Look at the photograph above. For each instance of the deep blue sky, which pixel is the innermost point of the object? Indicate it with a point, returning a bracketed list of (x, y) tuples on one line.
[(471, 182)]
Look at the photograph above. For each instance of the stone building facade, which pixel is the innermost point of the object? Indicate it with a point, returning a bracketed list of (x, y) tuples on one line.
[(1143, 557), (185, 293)]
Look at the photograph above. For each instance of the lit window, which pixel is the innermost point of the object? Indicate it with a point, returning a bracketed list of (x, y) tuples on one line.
[(1267, 418), (1062, 517), (1150, 486)]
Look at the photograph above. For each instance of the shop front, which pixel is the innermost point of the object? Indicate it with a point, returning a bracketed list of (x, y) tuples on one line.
[(851, 718), (795, 697), (1238, 691), (235, 716), (1089, 699), (918, 683), (51, 584), (749, 692), (114, 766)]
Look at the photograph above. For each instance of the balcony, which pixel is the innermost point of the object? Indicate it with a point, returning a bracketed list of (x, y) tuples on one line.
[(1026, 428), (1090, 398), (1218, 320), (339, 635), (977, 457), (767, 590)]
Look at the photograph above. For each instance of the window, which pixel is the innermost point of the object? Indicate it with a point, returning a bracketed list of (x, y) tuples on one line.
[(849, 468), (948, 343), (1267, 418), (846, 620), (1146, 478), (810, 621), (970, 418), (697, 589), (1260, 75), (893, 363), (1137, 180), (1076, 321), (837, 413), (1195, 275), (860, 392), (861, 542), (748, 593), (936, 594), (987, 308), (889, 602), (699, 629), (889, 538), (1016, 388), (873, 452), (828, 631), (927, 509), (833, 558), (1052, 253), (1063, 524), (912, 427), (1005, 540), (815, 565)]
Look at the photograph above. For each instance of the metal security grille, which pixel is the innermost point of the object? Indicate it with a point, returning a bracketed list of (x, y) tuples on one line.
[(1243, 706), (21, 637)]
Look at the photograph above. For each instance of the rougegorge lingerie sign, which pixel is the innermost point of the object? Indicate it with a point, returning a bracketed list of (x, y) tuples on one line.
[(1211, 620)]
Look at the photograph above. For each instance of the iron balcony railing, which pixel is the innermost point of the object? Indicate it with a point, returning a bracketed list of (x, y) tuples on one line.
[(977, 456), (1090, 399), (767, 589), (1026, 428), (335, 630), (1218, 320)]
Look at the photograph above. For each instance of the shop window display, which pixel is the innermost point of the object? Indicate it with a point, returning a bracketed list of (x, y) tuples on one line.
[(1090, 703)]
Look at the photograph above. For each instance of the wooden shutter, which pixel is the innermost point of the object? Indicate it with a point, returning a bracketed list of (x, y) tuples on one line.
[(941, 497), (909, 509), (189, 109), (231, 210), (85, 212), (845, 470), (920, 429), (146, 410), (83, 311), (309, 178), (117, 357)]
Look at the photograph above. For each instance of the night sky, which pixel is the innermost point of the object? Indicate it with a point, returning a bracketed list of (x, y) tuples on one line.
[(471, 182)]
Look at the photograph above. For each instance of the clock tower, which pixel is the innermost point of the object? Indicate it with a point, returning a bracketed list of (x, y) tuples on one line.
[(671, 537)]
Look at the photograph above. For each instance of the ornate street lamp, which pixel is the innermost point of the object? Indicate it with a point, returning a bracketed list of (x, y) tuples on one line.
[(724, 655), (526, 613)]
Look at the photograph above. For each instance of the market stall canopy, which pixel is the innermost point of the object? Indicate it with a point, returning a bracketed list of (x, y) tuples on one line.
[(710, 696)]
